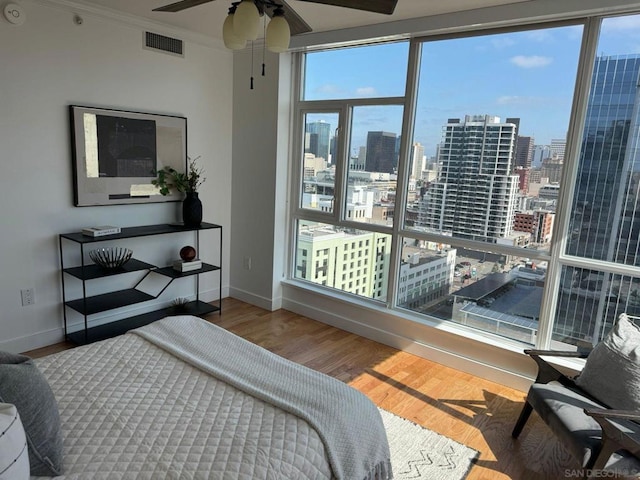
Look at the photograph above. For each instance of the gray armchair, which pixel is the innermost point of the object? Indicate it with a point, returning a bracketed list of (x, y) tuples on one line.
[(596, 414)]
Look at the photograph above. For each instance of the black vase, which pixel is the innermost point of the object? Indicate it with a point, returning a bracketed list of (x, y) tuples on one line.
[(192, 210)]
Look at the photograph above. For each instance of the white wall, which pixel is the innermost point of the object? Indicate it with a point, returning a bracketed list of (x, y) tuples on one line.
[(47, 64), (260, 156)]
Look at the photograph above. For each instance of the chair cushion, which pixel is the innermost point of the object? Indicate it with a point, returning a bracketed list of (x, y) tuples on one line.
[(14, 460), (562, 410), (23, 385), (612, 371)]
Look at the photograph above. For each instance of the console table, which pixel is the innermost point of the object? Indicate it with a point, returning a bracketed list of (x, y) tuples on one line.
[(88, 305)]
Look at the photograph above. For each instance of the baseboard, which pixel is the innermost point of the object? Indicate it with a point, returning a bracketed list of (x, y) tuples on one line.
[(213, 295), (257, 300), (34, 341)]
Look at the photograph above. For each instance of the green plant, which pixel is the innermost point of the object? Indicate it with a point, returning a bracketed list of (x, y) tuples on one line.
[(170, 179)]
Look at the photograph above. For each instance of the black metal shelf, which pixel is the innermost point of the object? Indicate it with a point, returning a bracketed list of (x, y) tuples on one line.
[(118, 327), (93, 304), (172, 273), (143, 231), (197, 308), (91, 272), (108, 301)]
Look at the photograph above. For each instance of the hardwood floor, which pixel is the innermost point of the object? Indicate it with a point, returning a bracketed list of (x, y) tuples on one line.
[(473, 411)]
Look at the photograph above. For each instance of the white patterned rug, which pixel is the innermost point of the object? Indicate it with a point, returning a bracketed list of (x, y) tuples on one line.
[(419, 453)]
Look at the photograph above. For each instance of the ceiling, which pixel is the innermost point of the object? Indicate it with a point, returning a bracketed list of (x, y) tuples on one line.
[(207, 19)]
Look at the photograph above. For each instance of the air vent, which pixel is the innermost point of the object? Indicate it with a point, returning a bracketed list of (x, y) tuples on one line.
[(170, 45)]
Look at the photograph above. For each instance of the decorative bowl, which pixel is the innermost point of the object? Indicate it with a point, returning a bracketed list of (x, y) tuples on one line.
[(110, 257)]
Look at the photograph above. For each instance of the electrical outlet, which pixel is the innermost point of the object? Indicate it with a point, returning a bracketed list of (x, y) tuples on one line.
[(247, 263), (28, 296)]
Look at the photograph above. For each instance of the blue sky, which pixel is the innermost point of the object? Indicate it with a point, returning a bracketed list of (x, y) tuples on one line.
[(530, 75)]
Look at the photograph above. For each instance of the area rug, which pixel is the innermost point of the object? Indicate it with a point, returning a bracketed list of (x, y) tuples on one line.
[(419, 453)]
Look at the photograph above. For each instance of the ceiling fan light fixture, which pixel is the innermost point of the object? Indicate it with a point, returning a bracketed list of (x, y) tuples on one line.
[(278, 33), (231, 40), (246, 20)]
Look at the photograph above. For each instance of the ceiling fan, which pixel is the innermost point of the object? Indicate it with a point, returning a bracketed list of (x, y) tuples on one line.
[(296, 24)]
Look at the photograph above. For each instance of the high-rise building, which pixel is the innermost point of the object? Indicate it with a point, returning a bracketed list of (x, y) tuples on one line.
[(604, 222), (523, 178), (475, 193), (540, 152), (515, 121), (605, 216), (557, 148), (551, 168), (362, 158), (524, 152), (381, 152), (318, 139), (416, 160)]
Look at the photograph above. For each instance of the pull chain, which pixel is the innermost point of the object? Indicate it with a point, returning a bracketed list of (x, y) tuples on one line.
[(251, 64), (264, 39)]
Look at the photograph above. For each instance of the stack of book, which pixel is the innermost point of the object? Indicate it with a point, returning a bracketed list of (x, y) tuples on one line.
[(100, 231), (183, 266)]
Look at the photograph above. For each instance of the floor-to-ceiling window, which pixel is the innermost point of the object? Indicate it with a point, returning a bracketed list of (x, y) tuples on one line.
[(466, 179)]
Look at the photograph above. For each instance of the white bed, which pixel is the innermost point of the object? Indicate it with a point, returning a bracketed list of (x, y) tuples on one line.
[(184, 399)]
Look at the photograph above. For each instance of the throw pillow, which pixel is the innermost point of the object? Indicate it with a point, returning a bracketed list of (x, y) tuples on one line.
[(23, 385), (14, 461), (612, 371)]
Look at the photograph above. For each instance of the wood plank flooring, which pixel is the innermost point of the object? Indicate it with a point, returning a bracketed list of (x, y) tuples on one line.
[(473, 411)]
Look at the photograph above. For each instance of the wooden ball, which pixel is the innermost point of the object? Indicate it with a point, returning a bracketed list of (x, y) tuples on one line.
[(187, 253)]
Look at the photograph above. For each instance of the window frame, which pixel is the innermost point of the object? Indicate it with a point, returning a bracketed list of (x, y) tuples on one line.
[(556, 257)]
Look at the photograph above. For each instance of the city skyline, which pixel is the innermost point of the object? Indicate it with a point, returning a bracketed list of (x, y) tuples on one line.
[(531, 142)]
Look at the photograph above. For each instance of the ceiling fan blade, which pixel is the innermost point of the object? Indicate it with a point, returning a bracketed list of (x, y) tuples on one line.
[(377, 6), (295, 21), (182, 5)]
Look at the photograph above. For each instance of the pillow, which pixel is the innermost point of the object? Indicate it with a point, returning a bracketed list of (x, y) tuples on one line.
[(14, 460), (612, 370), (23, 385)]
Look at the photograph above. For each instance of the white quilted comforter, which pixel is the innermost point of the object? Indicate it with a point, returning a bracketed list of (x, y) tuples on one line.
[(131, 410)]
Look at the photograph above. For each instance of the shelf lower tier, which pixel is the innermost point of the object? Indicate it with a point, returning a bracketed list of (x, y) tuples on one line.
[(108, 301), (118, 327)]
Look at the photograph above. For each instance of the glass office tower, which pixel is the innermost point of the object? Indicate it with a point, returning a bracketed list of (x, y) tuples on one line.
[(605, 219), (319, 139), (605, 222)]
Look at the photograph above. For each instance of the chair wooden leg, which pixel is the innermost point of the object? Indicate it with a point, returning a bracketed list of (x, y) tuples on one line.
[(522, 419)]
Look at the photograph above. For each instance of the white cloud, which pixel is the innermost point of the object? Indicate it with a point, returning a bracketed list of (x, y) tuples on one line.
[(531, 61), (365, 91)]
